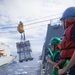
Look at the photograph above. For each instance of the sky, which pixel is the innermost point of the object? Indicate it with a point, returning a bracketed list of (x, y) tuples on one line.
[(35, 15)]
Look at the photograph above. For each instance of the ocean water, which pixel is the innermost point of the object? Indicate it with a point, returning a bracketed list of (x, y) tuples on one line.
[(24, 68)]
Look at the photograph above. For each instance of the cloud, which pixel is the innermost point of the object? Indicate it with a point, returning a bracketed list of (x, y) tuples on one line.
[(13, 11), (16, 10)]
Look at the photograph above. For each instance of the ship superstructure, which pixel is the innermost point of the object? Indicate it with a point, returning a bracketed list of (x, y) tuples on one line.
[(5, 54)]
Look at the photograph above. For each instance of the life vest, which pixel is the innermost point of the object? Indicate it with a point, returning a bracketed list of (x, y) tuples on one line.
[(53, 55), (67, 45)]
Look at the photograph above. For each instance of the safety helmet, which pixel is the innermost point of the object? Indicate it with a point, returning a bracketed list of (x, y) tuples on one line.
[(54, 41), (69, 12)]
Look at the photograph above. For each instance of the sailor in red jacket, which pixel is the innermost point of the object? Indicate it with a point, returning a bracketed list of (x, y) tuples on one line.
[(68, 41)]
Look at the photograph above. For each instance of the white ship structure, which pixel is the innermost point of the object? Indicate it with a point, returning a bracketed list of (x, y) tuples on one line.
[(5, 54)]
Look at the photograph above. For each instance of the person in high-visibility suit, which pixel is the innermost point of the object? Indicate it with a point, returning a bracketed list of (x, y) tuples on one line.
[(54, 53)]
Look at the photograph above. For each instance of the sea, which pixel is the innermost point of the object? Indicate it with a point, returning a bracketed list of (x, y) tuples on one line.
[(24, 68)]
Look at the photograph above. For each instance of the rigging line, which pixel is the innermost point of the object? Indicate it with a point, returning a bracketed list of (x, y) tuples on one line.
[(15, 27), (7, 27), (31, 23), (25, 29), (38, 18), (42, 17), (41, 21), (27, 24), (35, 27), (37, 22)]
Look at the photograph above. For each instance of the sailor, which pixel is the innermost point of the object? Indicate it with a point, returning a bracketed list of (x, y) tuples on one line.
[(54, 53), (68, 41)]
